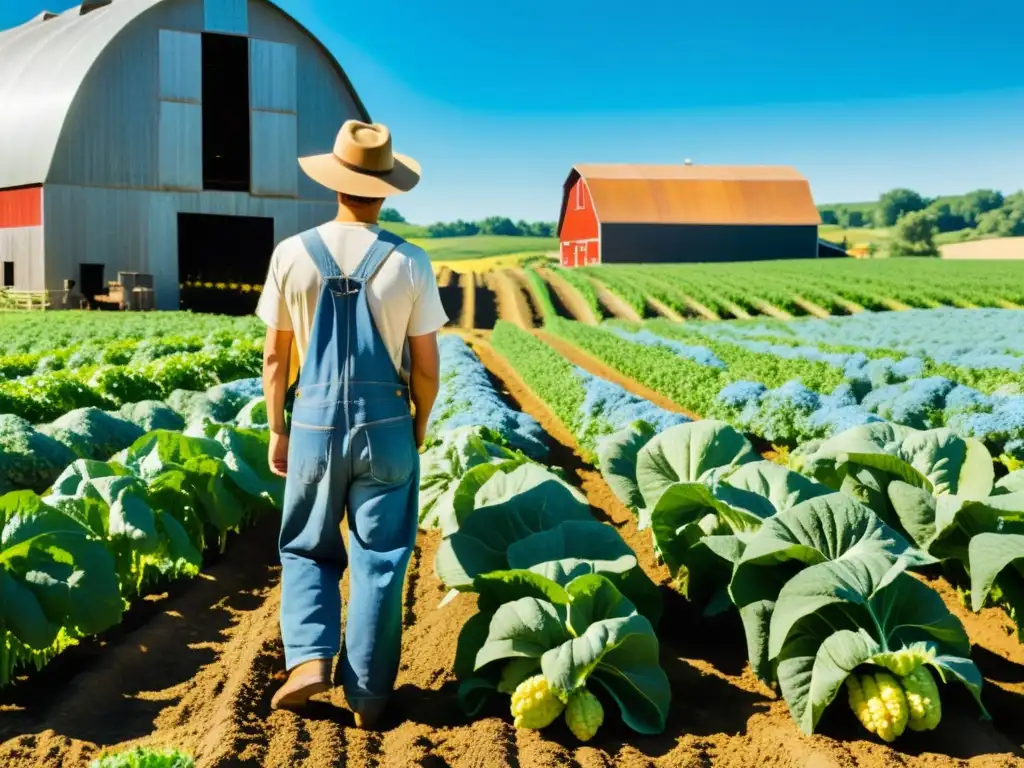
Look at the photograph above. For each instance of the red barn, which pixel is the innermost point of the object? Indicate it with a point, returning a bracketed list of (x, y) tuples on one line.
[(686, 213)]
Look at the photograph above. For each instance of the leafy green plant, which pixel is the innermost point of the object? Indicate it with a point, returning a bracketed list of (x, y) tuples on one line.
[(58, 582), (585, 634), (703, 489), (454, 468), (144, 758)]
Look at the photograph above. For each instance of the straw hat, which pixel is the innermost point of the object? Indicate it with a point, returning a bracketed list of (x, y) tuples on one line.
[(362, 163)]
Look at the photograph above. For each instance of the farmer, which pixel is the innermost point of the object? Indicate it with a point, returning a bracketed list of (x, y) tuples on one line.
[(363, 310)]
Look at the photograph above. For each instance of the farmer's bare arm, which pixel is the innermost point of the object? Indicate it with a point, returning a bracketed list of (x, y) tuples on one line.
[(277, 350), (425, 376)]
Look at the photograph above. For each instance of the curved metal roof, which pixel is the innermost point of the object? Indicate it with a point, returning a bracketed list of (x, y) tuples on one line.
[(44, 62)]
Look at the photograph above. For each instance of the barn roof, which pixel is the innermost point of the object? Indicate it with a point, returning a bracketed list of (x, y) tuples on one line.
[(696, 194), (44, 62)]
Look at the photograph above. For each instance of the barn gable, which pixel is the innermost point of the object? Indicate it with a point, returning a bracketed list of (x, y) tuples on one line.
[(54, 54)]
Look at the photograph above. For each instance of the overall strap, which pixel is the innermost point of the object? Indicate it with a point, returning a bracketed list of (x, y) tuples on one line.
[(377, 253), (317, 250)]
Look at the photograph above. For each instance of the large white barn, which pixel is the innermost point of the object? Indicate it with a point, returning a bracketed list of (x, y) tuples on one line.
[(160, 136)]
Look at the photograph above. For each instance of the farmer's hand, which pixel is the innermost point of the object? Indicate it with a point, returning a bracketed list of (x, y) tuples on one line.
[(419, 429), (278, 454)]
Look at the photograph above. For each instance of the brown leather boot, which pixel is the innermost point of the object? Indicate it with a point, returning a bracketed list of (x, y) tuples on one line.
[(306, 680), (369, 713)]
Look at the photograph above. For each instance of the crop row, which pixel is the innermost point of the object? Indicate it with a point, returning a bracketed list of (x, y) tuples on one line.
[(820, 580), (71, 560), (46, 332), (45, 397), (564, 611), (836, 286), (589, 406), (31, 457), (789, 393)]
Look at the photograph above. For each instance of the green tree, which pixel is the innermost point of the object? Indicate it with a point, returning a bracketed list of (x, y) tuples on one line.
[(947, 216), (1007, 221), (828, 216), (914, 235), (897, 202), (972, 205), (390, 214), (498, 225)]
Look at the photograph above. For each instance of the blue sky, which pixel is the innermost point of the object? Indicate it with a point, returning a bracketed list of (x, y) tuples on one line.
[(498, 100)]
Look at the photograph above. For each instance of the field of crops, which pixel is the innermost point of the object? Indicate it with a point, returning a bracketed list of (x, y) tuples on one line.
[(766, 541)]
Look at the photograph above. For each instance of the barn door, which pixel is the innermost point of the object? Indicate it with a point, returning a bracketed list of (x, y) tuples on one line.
[(581, 254)]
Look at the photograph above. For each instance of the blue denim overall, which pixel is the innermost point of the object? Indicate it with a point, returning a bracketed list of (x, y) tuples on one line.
[(351, 447)]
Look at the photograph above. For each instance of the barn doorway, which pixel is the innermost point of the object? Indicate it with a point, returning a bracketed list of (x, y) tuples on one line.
[(91, 280), (226, 113), (218, 256)]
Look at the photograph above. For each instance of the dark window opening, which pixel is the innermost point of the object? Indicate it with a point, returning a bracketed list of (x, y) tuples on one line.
[(220, 258), (226, 113), (92, 280), (8, 274)]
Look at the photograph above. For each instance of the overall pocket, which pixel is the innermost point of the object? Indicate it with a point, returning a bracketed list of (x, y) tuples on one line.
[(309, 449), (391, 449)]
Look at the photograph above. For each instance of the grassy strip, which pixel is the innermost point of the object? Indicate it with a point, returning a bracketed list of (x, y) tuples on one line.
[(547, 373), (691, 385), (543, 294), (770, 370)]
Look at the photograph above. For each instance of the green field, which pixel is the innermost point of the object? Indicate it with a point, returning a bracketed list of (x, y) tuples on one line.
[(482, 246)]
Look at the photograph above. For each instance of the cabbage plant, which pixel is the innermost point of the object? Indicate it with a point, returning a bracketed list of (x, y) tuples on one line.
[(148, 540), (57, 580), (823, 590), (454, 468), (703, 490), (582, 634)]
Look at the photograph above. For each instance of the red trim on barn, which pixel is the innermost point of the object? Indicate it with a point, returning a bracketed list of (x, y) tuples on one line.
[(21, 207), (580, 230)]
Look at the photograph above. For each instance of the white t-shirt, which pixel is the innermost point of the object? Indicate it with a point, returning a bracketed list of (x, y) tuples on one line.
[(403, 295)]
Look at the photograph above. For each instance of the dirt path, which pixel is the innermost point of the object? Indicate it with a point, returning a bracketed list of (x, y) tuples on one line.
[(815, 310), (467, 281), (766, 308), (569, 296), (511, 302), (617, 306), (665, 310), (590, 363), (700, 309)]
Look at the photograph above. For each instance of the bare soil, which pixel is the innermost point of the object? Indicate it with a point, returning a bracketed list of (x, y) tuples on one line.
[(810, 307), (569, 297), (994, 248), (617, 306), (512, 304), (196, 667)]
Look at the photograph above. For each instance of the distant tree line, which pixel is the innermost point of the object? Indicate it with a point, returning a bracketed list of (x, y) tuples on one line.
[(916, 219), (492, 225)]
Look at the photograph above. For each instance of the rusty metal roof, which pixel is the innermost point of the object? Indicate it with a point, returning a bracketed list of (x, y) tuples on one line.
[(697, 194)]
